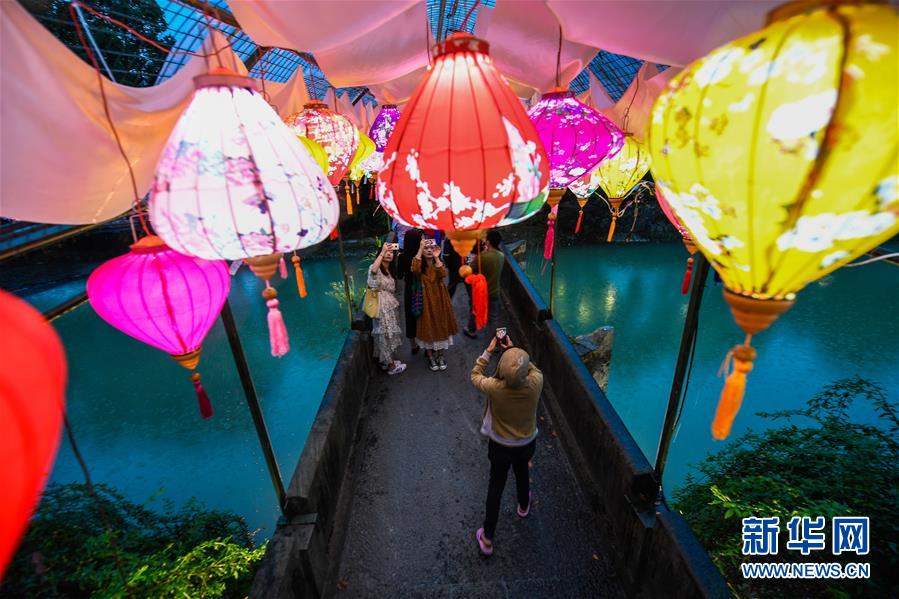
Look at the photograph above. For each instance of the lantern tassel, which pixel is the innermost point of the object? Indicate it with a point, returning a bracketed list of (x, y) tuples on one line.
[(358, 189), (479, 299), (371, 191), (349, 199), (688, 276), (550, 239), (580, 216), (202, 398), (282, 268), (333, 234), (612, 228), (276, 330), (301, 281), (741, 357)]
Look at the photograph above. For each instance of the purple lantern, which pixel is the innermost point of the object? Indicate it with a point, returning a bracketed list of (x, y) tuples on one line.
[(575, 136), (384, 125)]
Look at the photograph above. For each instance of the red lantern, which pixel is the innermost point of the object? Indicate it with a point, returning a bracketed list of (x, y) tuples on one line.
[(32, 400), (464, 155), (685, 235), (163, 298)]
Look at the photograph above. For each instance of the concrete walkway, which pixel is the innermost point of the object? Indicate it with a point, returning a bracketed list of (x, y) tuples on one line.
[(417, 485)]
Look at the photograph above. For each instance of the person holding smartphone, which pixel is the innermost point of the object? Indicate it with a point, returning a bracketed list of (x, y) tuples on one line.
[(436, 324), (510, 425), (386, 332)]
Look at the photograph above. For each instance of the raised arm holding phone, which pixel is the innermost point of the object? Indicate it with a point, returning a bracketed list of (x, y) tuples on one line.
[(436, 324)]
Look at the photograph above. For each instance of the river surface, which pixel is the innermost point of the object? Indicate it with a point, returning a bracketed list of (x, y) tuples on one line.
[(135, 415), (841, 326)]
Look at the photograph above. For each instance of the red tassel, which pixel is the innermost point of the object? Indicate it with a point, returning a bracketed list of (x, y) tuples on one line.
[(333, 234), (688, 275), (371, 191), (282, 268), (550, 239), (580, 216), (479, 299), (202, 398)]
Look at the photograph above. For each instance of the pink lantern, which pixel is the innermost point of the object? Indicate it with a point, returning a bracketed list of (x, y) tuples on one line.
[(384, 125), (575, 136), (335, 133), (234, 182), (685, 236), (163, 298)]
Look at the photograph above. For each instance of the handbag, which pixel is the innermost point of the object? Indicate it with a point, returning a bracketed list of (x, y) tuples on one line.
[(370, 302), (418, 297)]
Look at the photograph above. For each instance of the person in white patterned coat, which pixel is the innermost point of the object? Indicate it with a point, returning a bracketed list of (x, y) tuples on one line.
[(387, 334)]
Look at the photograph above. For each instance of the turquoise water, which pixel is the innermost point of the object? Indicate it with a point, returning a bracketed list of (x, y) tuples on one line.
[(134, 411), (841, 326)]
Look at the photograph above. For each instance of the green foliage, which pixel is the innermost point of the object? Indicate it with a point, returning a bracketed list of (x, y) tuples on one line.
[(828, 465), (186, 552), (133, 61)]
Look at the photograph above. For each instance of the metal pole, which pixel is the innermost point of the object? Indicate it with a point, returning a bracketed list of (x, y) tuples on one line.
[(249, 390), (346, 282), (700, 273), (552, 280)]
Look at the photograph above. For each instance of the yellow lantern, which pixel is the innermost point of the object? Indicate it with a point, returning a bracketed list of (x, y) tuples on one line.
[(365, 149), (618, 175), (318, 152), (778, 152)]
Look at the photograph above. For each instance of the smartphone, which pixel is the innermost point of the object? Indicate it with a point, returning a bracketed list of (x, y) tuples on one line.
[(430, 242), (500, 333), (393, 247)]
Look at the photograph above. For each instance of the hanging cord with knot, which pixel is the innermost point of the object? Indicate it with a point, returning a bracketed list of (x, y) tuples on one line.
[(559, 60)]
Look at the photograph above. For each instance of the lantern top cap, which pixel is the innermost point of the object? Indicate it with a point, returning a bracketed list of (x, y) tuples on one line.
[(798, 7), (383, 106), (223, 77), (315, 105), (557, 93), (460, 42), (149, 245)]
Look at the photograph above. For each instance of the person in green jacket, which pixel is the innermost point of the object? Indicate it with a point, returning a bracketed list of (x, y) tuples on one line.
[(510, 424)]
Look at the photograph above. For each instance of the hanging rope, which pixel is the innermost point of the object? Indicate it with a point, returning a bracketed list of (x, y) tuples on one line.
[(559, 60)]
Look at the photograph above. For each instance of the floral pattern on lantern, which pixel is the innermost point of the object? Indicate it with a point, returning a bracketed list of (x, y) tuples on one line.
[(234, 182), (575, 136), (488, 169), (334, 132), (777, 153), (383, 126), (163, 298)]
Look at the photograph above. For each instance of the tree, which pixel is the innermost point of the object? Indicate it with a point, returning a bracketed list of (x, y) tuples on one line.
[(830, 466), (132, 61)]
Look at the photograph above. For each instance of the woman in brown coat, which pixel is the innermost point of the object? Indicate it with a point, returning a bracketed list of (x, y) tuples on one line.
[(437, 323)]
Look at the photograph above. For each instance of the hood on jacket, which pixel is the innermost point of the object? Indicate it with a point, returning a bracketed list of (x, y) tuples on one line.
[(513, 367)]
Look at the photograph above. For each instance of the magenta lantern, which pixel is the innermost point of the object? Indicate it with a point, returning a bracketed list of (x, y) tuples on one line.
[(383, 126), (163, 298), (575, 136)]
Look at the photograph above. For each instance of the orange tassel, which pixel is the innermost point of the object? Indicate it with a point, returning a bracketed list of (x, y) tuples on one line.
[(479, 299), (301, 281), (580, 216), (349, 200), (734, 387), (612, 227), (358, 189)]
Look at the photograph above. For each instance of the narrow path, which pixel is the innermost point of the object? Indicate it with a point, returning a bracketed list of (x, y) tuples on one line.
[(419, 481)]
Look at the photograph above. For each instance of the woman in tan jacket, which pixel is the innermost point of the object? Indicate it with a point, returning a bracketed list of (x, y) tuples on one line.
[(437, 323)]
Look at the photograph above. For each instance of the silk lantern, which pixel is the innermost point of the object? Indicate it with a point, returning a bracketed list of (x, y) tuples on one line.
[(583, 187), (685, 237), (316, 151), (383, 126), (32, 402), (334, 132), (576, 138), (619, 174), (365, 149), (464, 156), (235, 183), (777, 152), (162, 298)]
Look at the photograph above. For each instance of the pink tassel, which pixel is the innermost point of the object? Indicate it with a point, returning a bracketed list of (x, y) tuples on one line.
[(685, 285), (276, 329), (202, 398), (282, 268), (550, 239)]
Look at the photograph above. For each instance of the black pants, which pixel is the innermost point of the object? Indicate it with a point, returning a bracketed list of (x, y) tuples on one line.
[(501, 457)]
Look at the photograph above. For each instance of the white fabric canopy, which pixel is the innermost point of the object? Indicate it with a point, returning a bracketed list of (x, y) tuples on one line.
[(632, 111), (671, 32), (59, 162), (288, 98), (596, 95)]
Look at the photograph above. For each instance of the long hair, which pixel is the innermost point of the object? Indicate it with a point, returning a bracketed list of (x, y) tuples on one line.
[(411, 243)]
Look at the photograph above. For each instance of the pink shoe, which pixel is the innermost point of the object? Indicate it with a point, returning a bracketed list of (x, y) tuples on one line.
[(523, 513), (484, 548)]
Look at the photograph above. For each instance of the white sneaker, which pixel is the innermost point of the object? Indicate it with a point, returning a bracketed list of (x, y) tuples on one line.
[(396, 368)]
